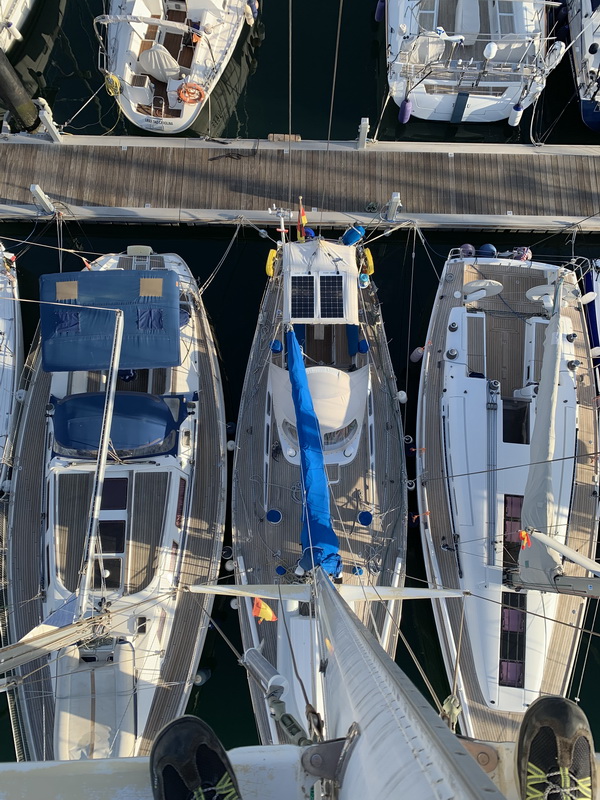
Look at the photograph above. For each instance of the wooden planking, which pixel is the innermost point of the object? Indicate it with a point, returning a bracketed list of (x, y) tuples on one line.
[(337, 180)]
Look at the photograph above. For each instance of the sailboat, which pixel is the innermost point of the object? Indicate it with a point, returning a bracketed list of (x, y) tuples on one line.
[(319, 475), (468, 61), (13, 17), (162, 58), (507, 456), (117, 502), (584, 21)]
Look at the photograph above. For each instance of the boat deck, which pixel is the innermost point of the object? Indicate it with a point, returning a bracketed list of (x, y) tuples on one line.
[(355, 487), (507, 331), (32, 704)]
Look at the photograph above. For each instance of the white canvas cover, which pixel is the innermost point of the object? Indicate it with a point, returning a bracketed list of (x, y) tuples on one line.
[(338, 397), (159, 63), (317, 257), (95, 709)]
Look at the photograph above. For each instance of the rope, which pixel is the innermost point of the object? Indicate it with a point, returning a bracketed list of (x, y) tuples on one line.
[(213, 274)]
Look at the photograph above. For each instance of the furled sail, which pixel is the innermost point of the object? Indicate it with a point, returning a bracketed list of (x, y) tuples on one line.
[(537, 564), (319, 543)]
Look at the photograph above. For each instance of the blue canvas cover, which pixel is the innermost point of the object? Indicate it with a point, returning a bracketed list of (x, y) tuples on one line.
[(142, 424), (75, 338), (320, 545)]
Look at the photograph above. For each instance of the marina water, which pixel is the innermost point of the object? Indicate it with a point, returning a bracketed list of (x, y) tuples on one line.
[(59, 57)]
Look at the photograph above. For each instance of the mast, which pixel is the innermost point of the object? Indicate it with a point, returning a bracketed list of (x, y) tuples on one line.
[(87, 570), (395, 740)]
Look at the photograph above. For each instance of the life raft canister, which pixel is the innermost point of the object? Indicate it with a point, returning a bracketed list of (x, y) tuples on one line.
[(270, 261), (191, 93)]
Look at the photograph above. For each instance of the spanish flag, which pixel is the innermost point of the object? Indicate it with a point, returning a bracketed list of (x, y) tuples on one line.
[(300, 235), (263, 611)]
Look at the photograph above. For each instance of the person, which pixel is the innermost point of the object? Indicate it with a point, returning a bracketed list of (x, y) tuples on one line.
[(188, 762)]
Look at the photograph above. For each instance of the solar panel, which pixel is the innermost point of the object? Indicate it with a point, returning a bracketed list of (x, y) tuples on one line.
[(332, 296), (303, 296)]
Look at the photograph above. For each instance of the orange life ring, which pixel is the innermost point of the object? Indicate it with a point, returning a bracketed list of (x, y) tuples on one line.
[(191, 93)]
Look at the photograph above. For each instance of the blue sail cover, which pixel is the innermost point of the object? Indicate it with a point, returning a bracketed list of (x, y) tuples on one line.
[(320, 545), (75, 338)]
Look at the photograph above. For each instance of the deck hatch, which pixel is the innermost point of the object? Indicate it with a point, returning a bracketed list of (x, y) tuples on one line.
[(512, 640)]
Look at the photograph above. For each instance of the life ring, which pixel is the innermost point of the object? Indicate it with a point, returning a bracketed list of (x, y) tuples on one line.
[(269, 268), (191, 93)]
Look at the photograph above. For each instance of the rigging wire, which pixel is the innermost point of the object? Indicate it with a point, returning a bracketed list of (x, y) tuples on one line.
[(332, 99)]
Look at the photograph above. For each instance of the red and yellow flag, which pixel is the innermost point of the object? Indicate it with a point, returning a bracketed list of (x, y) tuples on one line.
[(300, 234), (263, 611), (525, 539)]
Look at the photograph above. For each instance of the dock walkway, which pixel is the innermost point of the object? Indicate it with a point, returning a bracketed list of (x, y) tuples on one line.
[(137, 180)]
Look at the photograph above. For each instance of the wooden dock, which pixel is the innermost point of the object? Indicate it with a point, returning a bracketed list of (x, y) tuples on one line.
[(188, 181)]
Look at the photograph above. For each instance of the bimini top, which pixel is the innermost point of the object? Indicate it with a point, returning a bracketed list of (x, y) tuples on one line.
[(320, 283), (75, 338)]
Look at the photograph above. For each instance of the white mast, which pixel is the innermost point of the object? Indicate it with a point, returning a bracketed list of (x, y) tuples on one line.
[(87, 571)]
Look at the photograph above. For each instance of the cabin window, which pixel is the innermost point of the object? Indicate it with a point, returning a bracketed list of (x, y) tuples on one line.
[(512, 639), (337, 438), (512, 525), (180, 501), (515, 420), (114, 494), (303, 296), (112, 535), (332, 296)]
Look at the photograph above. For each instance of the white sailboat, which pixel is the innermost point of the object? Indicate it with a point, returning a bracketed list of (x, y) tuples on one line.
[(584, 27), (162, 58), (319, 474), (468, 61), (507, 443), (115, 505), (13, 17)]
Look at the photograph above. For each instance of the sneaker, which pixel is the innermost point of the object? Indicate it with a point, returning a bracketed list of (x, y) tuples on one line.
[(188, 762), (555, 752)]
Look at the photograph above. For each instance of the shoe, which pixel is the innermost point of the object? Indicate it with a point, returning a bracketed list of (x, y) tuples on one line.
[(188, 762), (555, 752)]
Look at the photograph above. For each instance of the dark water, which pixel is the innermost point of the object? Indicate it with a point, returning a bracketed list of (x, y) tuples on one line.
[(59, 60), (406, 287)]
